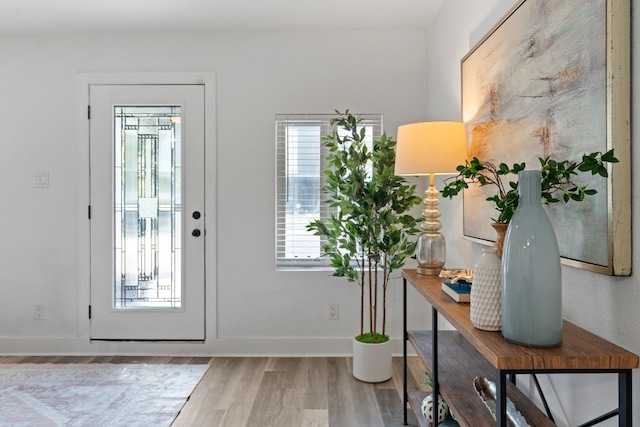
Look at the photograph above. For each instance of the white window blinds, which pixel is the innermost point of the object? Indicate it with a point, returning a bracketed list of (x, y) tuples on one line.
[(300, 160)]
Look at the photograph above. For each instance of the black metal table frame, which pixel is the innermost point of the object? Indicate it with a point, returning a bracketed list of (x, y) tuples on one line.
[(624, 411)]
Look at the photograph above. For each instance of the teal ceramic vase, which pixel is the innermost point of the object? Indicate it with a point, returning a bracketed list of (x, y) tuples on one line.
[(531, 273)]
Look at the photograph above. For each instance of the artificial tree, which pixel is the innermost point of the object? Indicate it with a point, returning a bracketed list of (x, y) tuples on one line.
[(368, 235)]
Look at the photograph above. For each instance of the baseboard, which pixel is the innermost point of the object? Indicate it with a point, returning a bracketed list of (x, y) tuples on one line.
[(224, 346)]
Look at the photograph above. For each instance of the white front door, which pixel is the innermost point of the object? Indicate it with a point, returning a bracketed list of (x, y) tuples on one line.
[(147, 212)]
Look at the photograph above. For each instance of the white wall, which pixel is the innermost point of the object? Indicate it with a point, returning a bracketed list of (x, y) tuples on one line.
[(253, 309), (606, 306)]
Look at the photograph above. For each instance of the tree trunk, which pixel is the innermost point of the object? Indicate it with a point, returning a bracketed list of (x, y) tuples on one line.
[(375, 303), (362, 299), (371, 325), (385, 282)]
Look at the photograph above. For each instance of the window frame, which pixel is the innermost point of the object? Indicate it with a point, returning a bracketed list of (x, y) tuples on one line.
[(282, 121)]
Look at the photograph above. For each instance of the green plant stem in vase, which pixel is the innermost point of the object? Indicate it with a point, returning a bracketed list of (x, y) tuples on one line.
[(557, 180)]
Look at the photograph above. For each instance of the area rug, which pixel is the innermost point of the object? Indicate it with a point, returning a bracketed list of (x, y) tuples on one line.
[(96, 395)]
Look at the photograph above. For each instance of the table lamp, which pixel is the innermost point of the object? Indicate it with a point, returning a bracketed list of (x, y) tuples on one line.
[(430, 148)]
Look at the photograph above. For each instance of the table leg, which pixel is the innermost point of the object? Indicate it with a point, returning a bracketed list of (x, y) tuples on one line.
[(404, 350), (435, 387), (625, 403), (501, 399)]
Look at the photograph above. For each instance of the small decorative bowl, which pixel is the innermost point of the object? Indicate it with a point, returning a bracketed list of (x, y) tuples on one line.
[(457, 275)]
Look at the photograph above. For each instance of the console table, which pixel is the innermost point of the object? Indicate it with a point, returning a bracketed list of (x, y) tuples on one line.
[(455, 358)]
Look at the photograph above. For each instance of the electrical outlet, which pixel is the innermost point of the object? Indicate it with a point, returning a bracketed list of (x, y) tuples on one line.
[(38, 312), (334, 313), (40, 180)]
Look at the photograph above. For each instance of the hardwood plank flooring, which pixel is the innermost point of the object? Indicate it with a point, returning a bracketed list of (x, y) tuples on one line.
[(282, 392)]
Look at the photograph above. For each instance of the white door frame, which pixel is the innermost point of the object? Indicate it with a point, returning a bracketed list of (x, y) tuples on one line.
[(83, 189)]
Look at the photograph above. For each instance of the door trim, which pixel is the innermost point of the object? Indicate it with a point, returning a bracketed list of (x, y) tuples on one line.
[(83, 81)]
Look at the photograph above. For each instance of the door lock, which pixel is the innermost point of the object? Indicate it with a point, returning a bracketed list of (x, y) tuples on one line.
[(195, 233)]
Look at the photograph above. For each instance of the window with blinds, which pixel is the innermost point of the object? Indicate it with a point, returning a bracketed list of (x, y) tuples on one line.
[(300, 160)]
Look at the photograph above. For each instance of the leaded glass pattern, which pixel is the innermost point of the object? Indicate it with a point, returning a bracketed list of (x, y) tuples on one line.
[(147, 207)]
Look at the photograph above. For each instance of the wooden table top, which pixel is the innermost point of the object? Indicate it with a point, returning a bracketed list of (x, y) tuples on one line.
[(580, 349)]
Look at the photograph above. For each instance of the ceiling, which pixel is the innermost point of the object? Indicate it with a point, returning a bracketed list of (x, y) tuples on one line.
[(54, 17)]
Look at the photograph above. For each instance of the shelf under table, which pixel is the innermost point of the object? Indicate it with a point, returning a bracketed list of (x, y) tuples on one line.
[(458, 364)]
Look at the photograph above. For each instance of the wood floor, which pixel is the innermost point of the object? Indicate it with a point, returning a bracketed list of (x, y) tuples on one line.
[(282, 392)]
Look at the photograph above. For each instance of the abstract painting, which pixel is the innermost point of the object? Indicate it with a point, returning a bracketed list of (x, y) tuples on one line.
[(549, 80)]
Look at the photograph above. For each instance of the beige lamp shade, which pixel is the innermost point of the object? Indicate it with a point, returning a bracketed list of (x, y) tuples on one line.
[(430, 147)]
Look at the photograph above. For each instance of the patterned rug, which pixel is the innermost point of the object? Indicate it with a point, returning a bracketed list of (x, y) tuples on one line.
[(96, 395)]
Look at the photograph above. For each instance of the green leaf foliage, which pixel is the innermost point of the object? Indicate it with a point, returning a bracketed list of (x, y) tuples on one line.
[(370, 233), (557, 180)]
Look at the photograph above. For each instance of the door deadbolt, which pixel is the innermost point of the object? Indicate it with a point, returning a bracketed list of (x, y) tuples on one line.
[(195, 233)]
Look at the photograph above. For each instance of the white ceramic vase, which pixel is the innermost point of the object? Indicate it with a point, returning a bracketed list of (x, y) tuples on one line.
[(486, 292), (372, 362)]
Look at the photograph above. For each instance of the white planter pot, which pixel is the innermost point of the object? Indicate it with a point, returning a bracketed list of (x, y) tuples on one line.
[(372, 362)]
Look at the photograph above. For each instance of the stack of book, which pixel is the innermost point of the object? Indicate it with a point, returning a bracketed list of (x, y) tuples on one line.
[(459, 291)]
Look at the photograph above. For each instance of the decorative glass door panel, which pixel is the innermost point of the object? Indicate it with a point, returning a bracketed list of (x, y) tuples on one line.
[(147, 212), (148, 208)]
